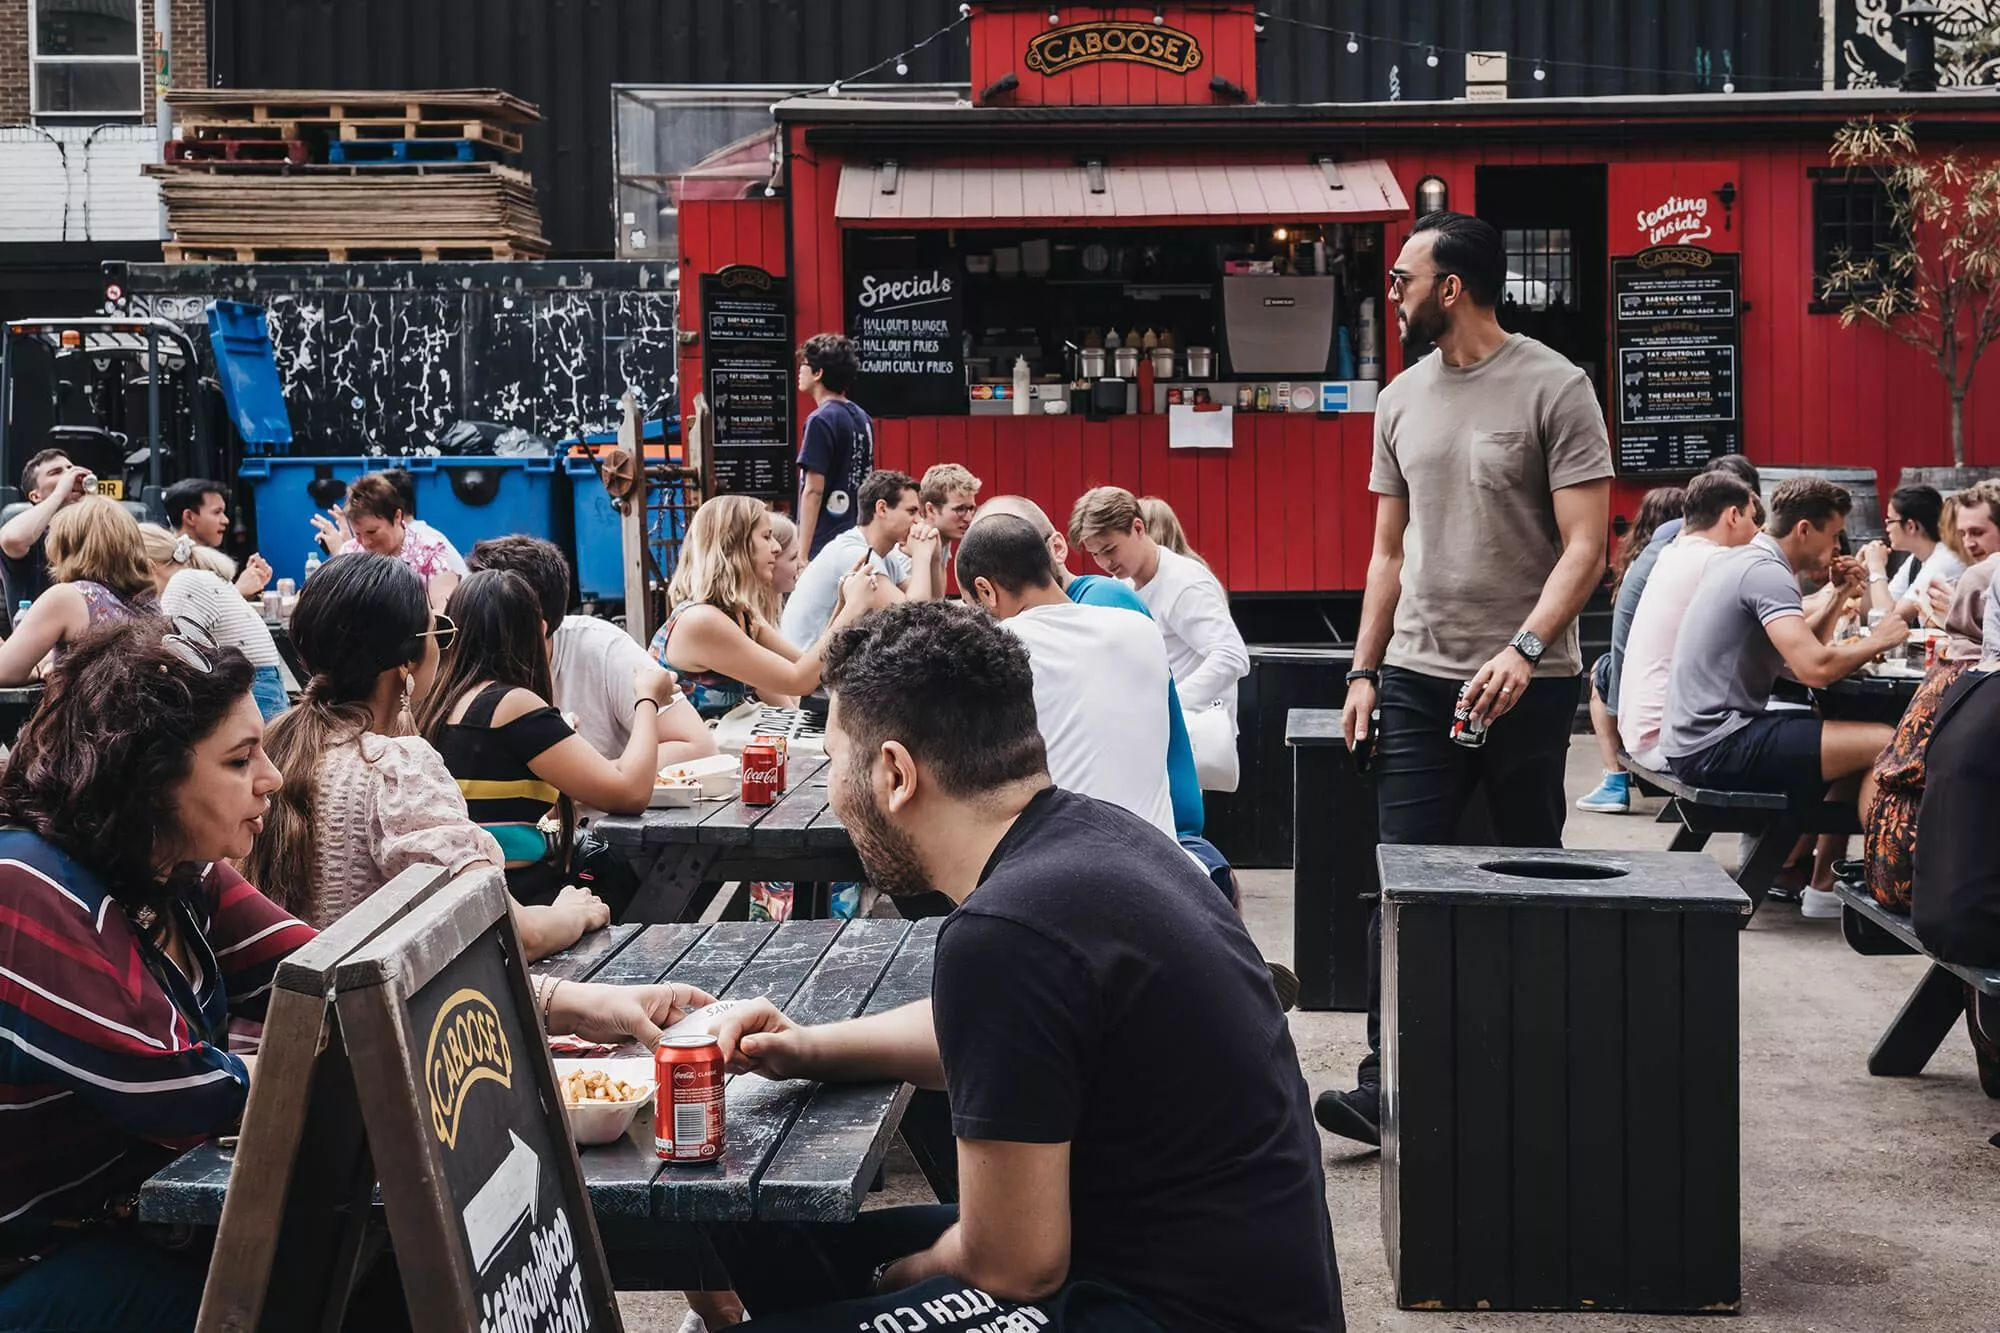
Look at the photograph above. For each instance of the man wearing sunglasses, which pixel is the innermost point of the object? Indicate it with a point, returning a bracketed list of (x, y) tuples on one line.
[(1492, 480)]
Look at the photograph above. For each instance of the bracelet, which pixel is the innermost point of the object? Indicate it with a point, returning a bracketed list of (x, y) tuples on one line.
[(548, 998), (655, 702), (1369, 674)]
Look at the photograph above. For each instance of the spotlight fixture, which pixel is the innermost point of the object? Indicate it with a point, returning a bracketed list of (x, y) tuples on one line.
[(1000, 87), (1222, 87)]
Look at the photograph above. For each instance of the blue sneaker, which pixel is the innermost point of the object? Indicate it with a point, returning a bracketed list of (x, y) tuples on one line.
[(1612, 797)]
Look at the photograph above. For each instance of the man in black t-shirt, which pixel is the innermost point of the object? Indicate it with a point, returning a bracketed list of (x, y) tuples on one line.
[(49, 481), (1135, 1146), (837, 448)]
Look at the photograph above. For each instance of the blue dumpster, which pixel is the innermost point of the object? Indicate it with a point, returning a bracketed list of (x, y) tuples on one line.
[(284, 495), (239, 336), (469, 499), (600, 545)]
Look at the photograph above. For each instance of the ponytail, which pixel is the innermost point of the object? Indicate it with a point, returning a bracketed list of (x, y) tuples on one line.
[(281, 861)]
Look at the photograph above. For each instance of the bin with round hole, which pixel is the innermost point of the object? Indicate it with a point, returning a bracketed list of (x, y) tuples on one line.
[(474, 497), (284, 494), (1559, 1079)]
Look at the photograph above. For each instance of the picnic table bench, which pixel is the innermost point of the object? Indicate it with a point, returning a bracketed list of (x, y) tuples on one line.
[(797, 1151), (683, 854), (1933, 1008), (1774, 822)]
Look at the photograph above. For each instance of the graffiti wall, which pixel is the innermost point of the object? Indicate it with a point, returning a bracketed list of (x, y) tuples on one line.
[(383, 358), (1865, 43)]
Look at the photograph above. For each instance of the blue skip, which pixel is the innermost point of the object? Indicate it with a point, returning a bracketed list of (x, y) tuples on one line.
[(363, 151)]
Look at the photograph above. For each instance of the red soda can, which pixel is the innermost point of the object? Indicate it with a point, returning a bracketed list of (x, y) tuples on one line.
[(1466, 729), (687, 1107), (761, 782), (784, 749)]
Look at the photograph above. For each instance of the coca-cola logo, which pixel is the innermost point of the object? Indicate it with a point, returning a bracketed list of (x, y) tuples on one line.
[(684, 1076), (760, 773)]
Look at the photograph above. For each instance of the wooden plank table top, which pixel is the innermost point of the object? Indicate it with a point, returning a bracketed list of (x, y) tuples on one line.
[(796, 1151), (730, 822)]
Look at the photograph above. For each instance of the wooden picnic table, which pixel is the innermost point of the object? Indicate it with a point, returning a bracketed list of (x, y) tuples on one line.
[(796, 1151), (682, 855)]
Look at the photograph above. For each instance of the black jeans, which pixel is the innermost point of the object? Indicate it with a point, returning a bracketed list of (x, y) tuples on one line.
[(1424, 781), (798, 1278)]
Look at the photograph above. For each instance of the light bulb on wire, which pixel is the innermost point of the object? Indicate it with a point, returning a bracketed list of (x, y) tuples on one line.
[(1540, 73), (902, 67), (1054, 18), (1431, 58), (1353, 44)]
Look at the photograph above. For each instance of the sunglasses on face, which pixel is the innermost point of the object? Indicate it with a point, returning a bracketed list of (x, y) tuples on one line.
[(1399, 279)]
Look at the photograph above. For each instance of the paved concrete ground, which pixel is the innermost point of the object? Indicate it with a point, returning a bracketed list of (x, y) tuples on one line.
[(1868, 1204)]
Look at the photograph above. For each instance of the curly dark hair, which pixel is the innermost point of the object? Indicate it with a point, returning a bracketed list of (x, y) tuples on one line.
[(833, 356), (950, 684), (95, 769)]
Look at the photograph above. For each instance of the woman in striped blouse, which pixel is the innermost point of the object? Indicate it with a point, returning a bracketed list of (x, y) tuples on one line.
[(127, 947)]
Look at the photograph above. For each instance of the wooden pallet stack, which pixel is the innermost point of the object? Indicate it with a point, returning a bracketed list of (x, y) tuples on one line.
[(268, 176)]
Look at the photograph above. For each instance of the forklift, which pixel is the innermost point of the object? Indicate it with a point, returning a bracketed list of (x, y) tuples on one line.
[(122, 397)]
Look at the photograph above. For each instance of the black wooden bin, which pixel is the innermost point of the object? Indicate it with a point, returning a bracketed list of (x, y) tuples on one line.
[(1559, 1116)]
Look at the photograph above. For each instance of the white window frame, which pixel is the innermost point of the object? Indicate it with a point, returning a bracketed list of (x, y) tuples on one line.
[(137, 59)]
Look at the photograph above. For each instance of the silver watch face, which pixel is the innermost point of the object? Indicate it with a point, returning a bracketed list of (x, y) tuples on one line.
[(1529, 644)]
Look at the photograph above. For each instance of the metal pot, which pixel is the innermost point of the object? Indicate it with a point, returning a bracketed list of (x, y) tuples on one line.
[(1163, 362), (1091, 363), (1125, 363), (1200, 363)]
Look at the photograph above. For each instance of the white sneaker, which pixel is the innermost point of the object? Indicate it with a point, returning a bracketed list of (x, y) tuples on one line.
[(1819, 905)]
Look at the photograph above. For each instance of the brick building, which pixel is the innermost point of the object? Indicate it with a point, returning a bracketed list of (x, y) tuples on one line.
[(78, 88)]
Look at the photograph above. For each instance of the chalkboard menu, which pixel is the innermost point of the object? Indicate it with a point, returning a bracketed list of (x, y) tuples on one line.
[(1679, 316), (747, 376), (908, 327)]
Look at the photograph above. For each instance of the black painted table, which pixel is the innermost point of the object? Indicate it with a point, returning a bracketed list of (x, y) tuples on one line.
[(796, 1151), (1867, 697), (17, 703), (684, 855)]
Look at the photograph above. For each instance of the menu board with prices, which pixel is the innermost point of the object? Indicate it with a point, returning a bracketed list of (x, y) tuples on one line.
[(746, 317), (1679, 333), (908, 326)]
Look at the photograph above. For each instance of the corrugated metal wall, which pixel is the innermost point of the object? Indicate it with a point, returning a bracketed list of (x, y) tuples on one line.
[(566, 54)]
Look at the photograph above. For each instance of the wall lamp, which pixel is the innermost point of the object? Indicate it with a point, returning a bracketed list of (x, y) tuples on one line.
[(1433, 196)]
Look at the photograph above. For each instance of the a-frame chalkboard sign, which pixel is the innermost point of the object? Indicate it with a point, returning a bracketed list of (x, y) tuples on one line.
[(488, 1212), (403, 1045)]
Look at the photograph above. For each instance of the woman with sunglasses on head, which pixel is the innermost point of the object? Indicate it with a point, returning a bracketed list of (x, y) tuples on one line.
[(365, 799), (521, 766), (131, 947), (197, 585), (98, 562)]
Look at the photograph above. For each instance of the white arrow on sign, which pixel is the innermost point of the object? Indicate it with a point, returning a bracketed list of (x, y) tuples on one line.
[(508, 1198)]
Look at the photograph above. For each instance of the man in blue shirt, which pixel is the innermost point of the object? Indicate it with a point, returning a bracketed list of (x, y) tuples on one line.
[(837, 449)]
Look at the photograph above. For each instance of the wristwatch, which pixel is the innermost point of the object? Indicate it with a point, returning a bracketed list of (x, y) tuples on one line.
[(1528, 646), (1369, 674)]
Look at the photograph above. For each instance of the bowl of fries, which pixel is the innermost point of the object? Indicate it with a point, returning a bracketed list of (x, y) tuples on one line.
[(603, 1097)]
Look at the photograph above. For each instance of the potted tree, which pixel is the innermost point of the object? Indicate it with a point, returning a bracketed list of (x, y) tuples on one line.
[(1936, 283)]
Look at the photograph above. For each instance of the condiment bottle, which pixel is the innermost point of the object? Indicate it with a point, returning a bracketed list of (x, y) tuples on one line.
[(1023, 386), (1149, 341), (1111, 341)]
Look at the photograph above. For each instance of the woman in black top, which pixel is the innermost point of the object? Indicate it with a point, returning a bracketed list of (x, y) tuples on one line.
[(521, 767)]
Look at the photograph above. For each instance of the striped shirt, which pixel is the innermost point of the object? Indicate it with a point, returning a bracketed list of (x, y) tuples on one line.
[(112, 1062)]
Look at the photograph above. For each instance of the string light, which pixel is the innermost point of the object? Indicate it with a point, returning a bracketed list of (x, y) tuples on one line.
[(901, 60), (1159, 14), (1354, 38), (1540, 73), (902, 67), (1054, 18)]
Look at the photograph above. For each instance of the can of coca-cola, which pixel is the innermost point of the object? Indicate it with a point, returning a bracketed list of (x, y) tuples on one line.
[(1466, 729), (784, 749), (687, 1105), (761, 780)]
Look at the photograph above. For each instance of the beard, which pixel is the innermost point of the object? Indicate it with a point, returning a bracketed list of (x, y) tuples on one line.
[(1422, 328), (887, 853)]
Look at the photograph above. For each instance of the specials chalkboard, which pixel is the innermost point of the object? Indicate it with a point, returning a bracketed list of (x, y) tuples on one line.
[(908, 327), (487, 1208), (747, 377), (1679, 320)]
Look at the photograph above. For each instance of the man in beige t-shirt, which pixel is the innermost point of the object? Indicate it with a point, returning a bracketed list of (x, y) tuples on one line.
[(1492, 471)]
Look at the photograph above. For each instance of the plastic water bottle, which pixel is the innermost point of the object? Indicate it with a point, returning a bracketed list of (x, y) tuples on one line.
[(313, 562), (21, 609)]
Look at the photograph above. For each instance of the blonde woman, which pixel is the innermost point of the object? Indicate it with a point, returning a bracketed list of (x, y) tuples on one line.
[(791, 564), (98, 562), (717, 637), (197, 585), (1163, 525)]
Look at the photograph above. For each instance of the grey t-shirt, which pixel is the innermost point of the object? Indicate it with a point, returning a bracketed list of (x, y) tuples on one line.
[(1479, 452), (1724, 662), (1630, 589)]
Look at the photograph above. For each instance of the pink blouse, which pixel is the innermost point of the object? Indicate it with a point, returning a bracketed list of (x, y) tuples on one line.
[(425, 554), (381, 805)]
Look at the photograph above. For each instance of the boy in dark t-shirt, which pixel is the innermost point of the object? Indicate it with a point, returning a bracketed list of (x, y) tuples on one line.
[(837, 448), (1135, 1147)]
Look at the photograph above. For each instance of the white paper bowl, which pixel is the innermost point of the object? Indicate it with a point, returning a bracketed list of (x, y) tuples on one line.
[(593, 1123)]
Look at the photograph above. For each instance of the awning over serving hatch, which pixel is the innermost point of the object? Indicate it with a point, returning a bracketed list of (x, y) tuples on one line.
[(1088, 194)]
